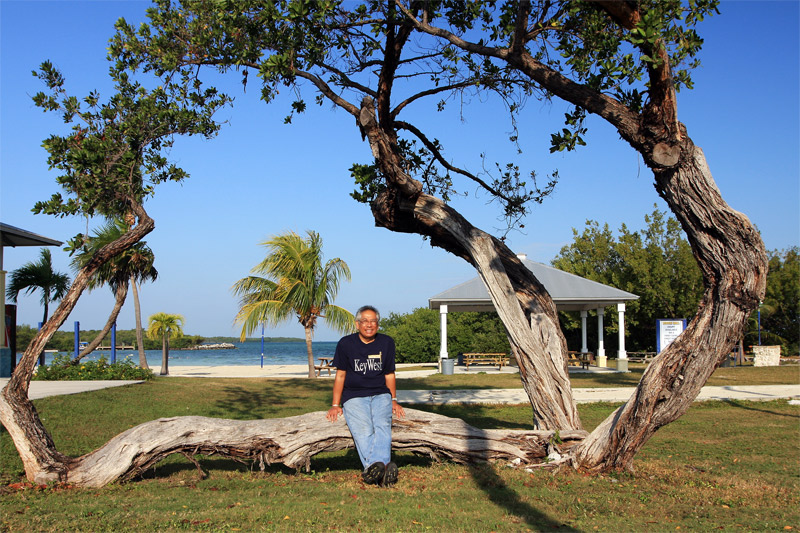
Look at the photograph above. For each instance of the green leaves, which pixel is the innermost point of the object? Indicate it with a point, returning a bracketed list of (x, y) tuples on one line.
[(112, 156), (368, 182)]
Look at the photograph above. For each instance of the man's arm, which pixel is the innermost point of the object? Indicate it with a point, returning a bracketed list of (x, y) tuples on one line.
[(391, 383), (336, 404)]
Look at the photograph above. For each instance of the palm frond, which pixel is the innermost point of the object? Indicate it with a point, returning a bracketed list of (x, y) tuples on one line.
[(290, 281)]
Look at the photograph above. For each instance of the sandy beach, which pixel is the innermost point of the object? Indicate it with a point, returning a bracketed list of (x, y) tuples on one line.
[(239, 371)]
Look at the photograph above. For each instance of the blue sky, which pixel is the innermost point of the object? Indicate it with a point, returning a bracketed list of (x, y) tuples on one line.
[(260, 177)]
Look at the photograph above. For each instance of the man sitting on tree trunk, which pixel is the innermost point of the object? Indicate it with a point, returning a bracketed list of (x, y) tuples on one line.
[(364, 390)]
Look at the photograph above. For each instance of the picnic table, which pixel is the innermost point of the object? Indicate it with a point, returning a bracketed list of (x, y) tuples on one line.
[(582, 359), (641, 357), (498, 359), (324, 364)]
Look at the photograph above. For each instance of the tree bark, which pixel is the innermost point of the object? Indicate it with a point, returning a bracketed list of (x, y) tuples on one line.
[(293, 441), (139, 333), (732, 258), (164, 355), (120, 295), (310, 351)]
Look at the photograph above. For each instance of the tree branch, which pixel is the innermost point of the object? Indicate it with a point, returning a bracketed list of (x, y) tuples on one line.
[(429, 92), (326, 90), (663, 102), (619, 115), (442, 161)]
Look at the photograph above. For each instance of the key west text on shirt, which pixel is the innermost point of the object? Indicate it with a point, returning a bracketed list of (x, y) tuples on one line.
[(373, 363)]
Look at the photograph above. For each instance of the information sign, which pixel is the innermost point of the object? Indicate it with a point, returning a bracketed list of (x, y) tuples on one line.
[(667, 330)]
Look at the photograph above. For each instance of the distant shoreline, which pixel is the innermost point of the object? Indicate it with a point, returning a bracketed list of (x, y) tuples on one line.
[(250, 339)]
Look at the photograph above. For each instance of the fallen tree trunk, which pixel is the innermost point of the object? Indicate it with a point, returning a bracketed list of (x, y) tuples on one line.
[(293, 441)]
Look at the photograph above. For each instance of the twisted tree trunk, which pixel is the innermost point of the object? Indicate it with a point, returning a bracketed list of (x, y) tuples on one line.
[(526, 309), (734, 264), (728, 249)]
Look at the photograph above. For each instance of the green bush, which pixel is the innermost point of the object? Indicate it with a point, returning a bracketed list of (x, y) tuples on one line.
[(62, 368)]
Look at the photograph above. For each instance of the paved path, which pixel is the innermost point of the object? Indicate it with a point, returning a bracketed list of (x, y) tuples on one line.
[(621, 394), (43, 389)]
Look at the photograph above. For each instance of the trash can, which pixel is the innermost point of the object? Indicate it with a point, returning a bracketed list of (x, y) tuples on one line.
[(447, 366)]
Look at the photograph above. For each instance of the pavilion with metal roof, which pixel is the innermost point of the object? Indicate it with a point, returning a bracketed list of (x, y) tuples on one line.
[(13, 236), (568, 291)]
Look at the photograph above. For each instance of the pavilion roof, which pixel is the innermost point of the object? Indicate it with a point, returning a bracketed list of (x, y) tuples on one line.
[(569, 292)]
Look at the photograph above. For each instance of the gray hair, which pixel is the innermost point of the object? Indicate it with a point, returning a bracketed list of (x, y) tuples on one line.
[(367, 308)]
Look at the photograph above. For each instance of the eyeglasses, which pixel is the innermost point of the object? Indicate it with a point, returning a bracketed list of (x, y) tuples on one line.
[(368, 322)]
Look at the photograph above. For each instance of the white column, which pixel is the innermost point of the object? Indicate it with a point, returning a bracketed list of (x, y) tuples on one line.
[(601, 351), (443, 329), (621, 354), (584, 346)]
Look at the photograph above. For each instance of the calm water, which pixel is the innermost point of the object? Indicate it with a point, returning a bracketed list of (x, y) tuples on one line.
[(245, 353)]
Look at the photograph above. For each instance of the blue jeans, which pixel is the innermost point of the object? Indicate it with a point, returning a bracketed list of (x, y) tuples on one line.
[(370, 422)]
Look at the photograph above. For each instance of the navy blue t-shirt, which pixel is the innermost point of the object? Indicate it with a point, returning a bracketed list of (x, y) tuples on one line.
[(365, 364)]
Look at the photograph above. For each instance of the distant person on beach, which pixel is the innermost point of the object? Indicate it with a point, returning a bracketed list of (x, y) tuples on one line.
[(364, 390)]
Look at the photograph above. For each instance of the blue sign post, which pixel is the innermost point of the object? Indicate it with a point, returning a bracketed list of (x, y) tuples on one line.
[(262, 345), (113, 343), (77, 338)]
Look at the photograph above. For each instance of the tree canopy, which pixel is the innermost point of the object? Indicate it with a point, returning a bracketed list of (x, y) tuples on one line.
[(374, 60), (622, 61)]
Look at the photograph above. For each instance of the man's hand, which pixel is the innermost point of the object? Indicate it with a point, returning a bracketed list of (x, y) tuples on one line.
[(397, 410), (333, 413)]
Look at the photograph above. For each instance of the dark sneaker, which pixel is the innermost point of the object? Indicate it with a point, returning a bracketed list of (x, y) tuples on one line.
[(389, 475), (374, 473)]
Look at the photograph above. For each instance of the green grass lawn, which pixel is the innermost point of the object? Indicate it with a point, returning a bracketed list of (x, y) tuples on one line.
[(723, 466)]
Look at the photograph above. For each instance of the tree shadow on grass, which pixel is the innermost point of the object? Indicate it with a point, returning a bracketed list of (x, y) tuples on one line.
[(757, 407), (507, 498), (485, 475), (473, 414), (249, 403), (211, 465)]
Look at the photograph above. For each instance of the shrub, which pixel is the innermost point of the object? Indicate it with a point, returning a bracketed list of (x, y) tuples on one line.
[(62, 368)]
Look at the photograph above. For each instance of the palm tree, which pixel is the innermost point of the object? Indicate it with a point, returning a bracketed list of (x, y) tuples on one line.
[(132, 266), (39, 276), (296, 284), (167, 327)]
